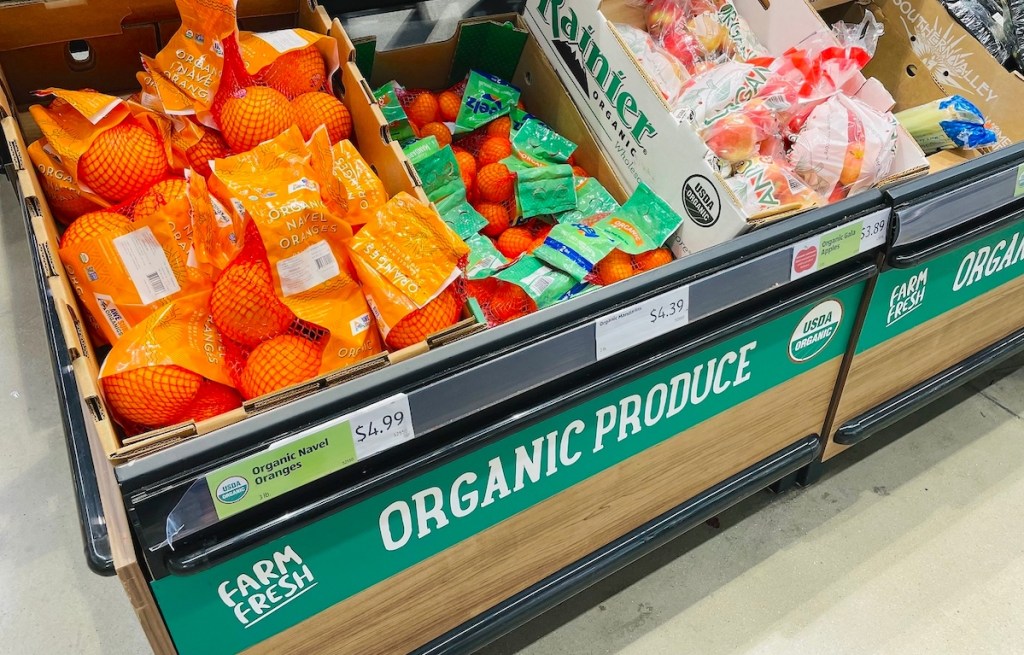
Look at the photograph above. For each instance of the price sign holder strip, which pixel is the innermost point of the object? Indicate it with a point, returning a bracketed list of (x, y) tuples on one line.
[(866, 232), (943, 201), (696, 300), (352, 433)]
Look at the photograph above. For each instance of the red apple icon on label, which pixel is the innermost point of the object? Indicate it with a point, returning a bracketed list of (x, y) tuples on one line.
[(805, 259)]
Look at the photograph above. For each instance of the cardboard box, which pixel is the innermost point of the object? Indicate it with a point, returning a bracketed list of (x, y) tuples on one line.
[(40, 41), (925, 55), (520, 60), (634, 125)]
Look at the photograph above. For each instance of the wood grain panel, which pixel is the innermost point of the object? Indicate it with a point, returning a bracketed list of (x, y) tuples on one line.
[(122, 549), (435, 596), (898, 364)]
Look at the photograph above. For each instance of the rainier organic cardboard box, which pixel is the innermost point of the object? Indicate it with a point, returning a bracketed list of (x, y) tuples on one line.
[(635, 126)]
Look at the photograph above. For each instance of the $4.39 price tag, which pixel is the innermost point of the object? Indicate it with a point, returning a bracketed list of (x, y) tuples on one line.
[(642, 322), (310, 455)]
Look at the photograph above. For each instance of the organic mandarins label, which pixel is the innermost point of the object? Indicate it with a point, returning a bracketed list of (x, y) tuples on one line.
[(180, 333), (276, 188), (193, 59), (405, 257)]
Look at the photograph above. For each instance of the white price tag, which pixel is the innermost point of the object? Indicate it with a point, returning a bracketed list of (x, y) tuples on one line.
[(642, 322), (873, 230), (838, 244), (381, 425)]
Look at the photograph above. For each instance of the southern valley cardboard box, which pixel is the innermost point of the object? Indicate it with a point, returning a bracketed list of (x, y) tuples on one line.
[(635, 126), (925, 54)]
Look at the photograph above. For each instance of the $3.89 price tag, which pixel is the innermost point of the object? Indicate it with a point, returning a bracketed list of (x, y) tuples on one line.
[(641, 322), (841, 243)]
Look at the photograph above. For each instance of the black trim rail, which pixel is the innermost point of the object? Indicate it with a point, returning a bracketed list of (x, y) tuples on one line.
[(83, 471), (719, 278), (542, 596), (896, 408), (918, 253)]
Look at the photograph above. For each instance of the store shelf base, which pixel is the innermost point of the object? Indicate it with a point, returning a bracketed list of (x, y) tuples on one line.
[(573, 579), (882, 416)]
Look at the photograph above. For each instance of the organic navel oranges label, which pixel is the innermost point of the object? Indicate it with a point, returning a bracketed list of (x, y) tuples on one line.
[(122, 271), (294, 237), (193, 59), (109, 153), (65, 198)]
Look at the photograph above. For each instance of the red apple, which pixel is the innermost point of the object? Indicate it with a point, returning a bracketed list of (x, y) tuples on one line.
[(733, 138), (662, 14), (684, 46)]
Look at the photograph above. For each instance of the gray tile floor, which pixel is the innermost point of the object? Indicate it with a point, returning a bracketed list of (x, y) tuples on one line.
[(910, 544)]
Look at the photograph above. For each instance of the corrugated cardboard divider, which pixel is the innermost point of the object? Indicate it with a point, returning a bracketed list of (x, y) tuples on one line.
[(370, 136)]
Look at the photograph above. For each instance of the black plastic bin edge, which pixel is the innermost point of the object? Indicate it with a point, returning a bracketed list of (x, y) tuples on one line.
[(882, 416), (83, 471), (541, 597)]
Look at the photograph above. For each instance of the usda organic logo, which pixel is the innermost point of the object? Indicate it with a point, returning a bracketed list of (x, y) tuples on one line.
[(232, 489), (816, 330)]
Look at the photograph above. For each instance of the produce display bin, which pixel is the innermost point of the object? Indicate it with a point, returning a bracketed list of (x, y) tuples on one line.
[(567, 431), (947, 303)]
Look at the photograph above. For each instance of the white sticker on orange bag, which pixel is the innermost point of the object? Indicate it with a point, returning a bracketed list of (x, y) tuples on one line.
[(147, 265), (283, 40), (314, 265)]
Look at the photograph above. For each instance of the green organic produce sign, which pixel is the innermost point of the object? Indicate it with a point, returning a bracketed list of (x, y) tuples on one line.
[(907, 298), (268, 589)]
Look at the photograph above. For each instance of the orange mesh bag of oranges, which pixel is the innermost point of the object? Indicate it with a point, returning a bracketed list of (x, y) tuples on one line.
[(65, 198), (123, 268), (171, 368), (292, 61), (193, 145), (409, 262), (246, 112), (293, 263), (111, 154), (194, 66), (299, 64)]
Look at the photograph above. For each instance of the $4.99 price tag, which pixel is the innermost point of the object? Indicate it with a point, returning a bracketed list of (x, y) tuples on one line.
[(642, 322), (310, 455), (381, 426)]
